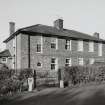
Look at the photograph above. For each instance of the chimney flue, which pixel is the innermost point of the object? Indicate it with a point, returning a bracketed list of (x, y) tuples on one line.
[(58, 24), (11, 27)]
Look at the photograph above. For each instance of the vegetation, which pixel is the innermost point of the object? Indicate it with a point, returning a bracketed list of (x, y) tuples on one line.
[(84, 74), (11, 83)]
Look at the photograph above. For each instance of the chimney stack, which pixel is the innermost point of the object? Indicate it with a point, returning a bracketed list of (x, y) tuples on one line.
[(58, 24), (11, 27), (96, 34)]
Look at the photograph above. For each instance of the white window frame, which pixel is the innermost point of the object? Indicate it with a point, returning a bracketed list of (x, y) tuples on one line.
[(55, 63), (68, 45), (54, 41), (81, 61), (100, 49), (91, 46), (91, 61), (41, 45), (69, 62), (80, 45)]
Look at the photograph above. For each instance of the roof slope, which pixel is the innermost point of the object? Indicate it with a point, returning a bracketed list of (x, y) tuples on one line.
[(5, 53), (49, 30)]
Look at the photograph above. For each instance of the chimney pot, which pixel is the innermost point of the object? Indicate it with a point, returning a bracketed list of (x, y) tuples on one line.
[(11, 27), (58, 23), (96, 34)]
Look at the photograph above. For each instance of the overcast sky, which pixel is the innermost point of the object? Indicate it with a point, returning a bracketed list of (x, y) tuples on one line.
[(86, 16)]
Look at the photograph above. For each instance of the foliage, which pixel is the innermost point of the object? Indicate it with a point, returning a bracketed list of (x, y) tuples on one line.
[(83, 74), (10, 82), (25, 74)]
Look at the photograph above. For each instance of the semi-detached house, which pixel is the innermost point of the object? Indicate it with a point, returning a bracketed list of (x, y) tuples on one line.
[(43, 47)]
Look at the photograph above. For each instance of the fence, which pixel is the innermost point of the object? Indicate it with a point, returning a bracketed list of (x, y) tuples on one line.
[(72, 76), (45, 78)]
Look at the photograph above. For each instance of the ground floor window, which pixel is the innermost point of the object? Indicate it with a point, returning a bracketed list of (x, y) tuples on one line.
[(4, 59), (80, 61), (39, 64), (54, 63), (68, 62), (91, 60)]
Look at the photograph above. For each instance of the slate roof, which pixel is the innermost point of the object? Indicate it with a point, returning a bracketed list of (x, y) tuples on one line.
[(50, 30), (5, 53)]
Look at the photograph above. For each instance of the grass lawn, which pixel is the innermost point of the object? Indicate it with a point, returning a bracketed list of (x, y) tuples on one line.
[(87, 95)]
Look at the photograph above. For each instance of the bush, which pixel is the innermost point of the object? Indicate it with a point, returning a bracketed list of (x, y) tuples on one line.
[(25, 74), (11, 83), (83, 74)]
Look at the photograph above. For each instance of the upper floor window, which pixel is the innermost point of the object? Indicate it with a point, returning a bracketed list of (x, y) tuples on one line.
[(54, 43), (54, 63), (91, 46), (68, 45), (68, 62), (39, 45), (100, 49), (80, 61), (80, 45)]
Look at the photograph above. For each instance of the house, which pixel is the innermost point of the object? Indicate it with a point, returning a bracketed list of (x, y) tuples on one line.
[(43, 47), (5, 58)]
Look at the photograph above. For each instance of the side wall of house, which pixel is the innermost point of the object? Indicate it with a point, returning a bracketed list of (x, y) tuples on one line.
[(24, 51)]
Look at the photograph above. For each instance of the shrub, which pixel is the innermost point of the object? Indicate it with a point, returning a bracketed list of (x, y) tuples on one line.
[(83, 74), (10, 82), (25, 74)]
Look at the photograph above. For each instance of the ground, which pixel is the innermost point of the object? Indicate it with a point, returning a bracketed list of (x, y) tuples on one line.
[(86, 95)]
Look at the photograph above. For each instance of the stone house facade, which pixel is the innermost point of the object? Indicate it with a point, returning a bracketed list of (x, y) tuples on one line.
[(44, 47)]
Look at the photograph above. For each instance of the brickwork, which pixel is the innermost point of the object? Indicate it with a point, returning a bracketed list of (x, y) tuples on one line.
[(45, 57), (60, 53)]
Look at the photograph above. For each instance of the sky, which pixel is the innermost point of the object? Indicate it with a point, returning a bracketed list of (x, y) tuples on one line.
[(87, 16)]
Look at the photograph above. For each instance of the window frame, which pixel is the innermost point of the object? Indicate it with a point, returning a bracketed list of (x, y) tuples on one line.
[(79, 61), (41, 45), (54, 41), (55, 63), (69, 62), (5, 60), (68, 44), (80, 45), (40, 65), (91, 61), (100, 48), (91, 46)]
